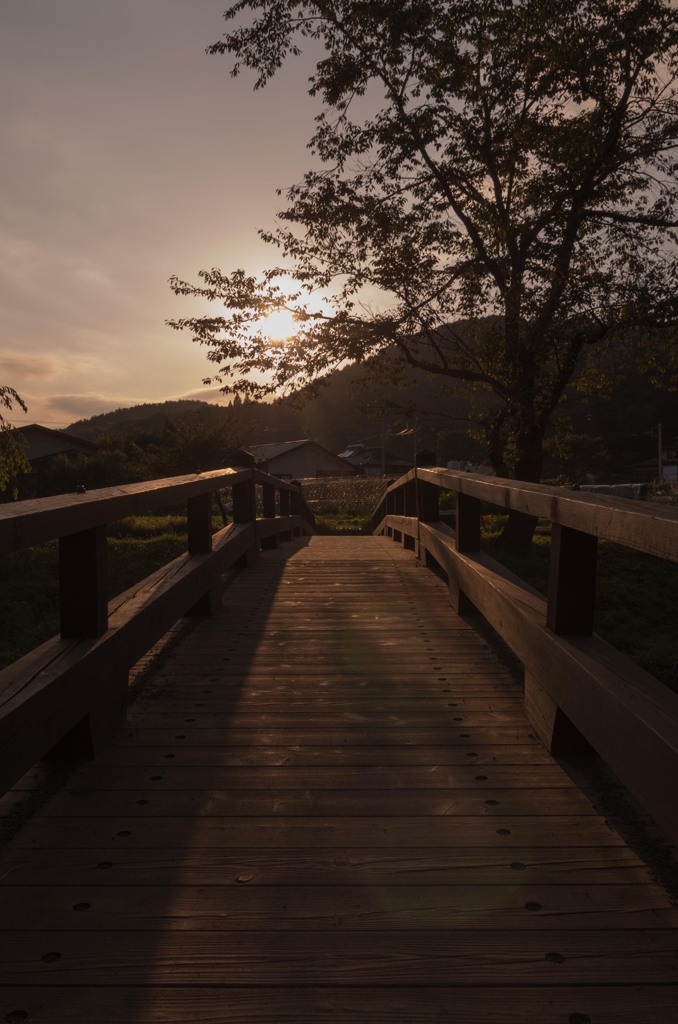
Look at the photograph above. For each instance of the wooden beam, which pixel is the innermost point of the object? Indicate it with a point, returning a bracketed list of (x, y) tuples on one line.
[(83, 608), (199, 515), (572, 581), (268, 509), (285, 506), (25, 523), (644, 526), (468, 523)]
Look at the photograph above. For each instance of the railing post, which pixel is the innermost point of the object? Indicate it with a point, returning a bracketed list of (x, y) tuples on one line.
[(410, 510), (428, 511), (398, 510), (285, 511), (83, 609), (572, 581), (468, 523), (296, 507), (245, 511), (429, 496), (467, 541), (268, 508), (199, 525), (244, 501), (569, 610), (390, 508), (83, 603)]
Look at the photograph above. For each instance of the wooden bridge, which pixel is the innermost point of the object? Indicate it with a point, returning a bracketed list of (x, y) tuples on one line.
[(332, 796)]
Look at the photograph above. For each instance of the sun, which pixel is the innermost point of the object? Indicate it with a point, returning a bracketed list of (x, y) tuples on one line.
[(280, 326)]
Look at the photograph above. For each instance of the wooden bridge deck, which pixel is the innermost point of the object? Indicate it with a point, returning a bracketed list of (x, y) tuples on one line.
[(326, 804)]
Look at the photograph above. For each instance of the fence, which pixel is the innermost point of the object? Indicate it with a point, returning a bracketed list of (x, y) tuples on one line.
[(576, 684), (66, 695)]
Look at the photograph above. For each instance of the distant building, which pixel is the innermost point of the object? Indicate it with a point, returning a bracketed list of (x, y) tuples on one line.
[(375, 461), (43, 442), (296, 460), (42, 445)]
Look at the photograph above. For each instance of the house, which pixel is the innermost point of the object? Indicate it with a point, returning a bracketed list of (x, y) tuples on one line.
[(375, 461), (296, 460), (43, 443)]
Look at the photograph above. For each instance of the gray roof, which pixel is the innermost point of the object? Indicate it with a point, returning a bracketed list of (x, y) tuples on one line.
[(265, 452), (269, 452)]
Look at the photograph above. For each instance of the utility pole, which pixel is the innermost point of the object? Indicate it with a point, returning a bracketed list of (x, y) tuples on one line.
[(660, 464)]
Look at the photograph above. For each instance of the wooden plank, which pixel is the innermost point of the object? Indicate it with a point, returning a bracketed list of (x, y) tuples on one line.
[(136, 753), (377, 831), (238, 907), (306, 672), (380, 777), (359, 736), (462, 957), (151, 803), (116, 865), (305, 701), (325, 719), (294, 1004)]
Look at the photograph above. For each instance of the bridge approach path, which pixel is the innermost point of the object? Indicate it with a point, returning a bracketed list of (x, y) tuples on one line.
[(326, 804)]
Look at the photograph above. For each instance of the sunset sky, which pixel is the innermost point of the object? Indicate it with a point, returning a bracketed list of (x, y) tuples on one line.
[(128, 155)]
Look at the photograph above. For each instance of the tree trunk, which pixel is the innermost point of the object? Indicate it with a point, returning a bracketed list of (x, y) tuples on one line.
[(528, 467)]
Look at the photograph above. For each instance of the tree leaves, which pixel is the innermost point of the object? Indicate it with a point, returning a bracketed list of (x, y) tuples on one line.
[(13, 461)]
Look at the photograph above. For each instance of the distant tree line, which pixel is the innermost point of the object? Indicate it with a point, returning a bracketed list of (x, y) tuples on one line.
[(606, 424)]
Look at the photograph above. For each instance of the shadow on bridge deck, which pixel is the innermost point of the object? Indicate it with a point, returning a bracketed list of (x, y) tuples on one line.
[(327, 804)]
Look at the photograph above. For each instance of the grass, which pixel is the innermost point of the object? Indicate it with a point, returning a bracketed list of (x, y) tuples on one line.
[(29, 594)]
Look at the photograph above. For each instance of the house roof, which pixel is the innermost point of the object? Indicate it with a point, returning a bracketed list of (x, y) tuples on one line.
[(361, 455), (269, 452), (266, 452), (68, 439)]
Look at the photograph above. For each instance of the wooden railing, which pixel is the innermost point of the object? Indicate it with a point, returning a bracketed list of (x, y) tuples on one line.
[(66, 695), (576, 684)]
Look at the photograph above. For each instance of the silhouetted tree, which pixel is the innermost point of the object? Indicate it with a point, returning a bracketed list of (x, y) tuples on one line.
[(13, 461), (504, 162), (192, 445)]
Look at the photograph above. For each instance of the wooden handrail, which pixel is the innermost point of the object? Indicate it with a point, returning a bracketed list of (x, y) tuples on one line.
[(26, 523), (647, 527), (576, 684), (68, 694)]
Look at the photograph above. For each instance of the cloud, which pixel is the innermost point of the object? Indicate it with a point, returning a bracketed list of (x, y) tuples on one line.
[(213, 395), (36, 366), (90, 275), (85, 405)]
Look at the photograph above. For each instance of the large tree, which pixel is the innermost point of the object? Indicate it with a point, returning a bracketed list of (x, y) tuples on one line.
[(13, 461), (505, 162)]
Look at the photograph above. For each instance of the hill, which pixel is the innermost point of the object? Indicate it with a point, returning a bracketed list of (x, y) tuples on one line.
[(147, 417), (347, 410), (607, 433)]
